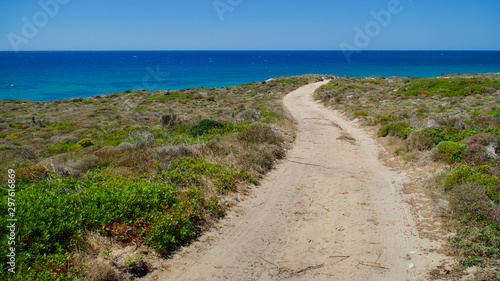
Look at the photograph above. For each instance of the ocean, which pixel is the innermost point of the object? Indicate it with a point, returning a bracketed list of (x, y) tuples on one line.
[(41, 76)]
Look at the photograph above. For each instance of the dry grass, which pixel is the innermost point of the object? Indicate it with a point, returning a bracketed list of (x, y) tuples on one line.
[(142, 134)]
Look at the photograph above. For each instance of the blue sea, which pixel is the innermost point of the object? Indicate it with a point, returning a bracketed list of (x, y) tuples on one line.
[(63, 74)]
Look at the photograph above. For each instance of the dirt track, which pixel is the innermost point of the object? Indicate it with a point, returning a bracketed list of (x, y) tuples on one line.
[(330, 211)]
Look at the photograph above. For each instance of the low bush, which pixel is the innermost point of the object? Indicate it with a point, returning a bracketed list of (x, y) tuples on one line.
[(61, 147), (360, 113), (484, 176), (457, 176), (169, 120), (35, 172), (478, 244), (204, 126), (476, 154), (484, 121), (271, 117), (141, 139), (188, 171), (420, 140), (260, 133), (86, 142), (400, 129), (482, 139), (14, 135), (386, 118), (448, 151), (451, 87), (481, 149), (56, 213), (471, 202)]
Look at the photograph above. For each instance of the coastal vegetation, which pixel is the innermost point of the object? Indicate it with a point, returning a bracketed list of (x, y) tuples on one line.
[(450, 127), (98, 179), (106, 185)]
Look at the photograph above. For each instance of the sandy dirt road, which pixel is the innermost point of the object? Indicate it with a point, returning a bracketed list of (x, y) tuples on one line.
[(330, 211)]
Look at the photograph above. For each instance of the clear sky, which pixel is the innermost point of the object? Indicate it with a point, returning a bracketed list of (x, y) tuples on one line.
[(249, 25)]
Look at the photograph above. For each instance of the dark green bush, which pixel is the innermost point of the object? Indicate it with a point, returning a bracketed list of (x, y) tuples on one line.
[(86, 142), (56, 213), (204, 126)]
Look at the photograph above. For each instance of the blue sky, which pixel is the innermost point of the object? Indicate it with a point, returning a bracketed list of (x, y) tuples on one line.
[(249, 25)]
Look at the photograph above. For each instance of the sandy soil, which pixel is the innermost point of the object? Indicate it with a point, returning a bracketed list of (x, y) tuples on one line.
[(330, 211)]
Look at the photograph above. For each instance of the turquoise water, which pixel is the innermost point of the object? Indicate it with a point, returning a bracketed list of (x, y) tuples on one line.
[(60, 75)]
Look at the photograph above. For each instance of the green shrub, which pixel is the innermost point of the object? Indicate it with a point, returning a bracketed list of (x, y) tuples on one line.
[(62, 126), (478, 244), (457, 176), (56, 213), (61, 147), (86, 142), (14, 135), (400, 129), (406, 132), (292, 80), (460, 135), (449, 151), (361, 113), (270, 117), (483, 175), (170, 229), (440, 134), (436, 134), (450, 147), (205, 126), (386, 118), (187, 172), (385, 130), (15, 125), (451, 87)]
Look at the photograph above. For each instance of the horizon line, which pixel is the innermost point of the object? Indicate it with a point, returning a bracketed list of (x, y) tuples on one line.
[(263, 50)]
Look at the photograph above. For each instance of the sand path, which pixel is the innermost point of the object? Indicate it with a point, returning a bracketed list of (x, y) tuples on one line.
[(330, 211)]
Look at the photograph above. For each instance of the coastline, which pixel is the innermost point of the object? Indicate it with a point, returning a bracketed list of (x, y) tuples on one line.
[(204, 146), (60, 75)]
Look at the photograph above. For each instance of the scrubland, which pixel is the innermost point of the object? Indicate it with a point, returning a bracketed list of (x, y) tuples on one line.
[(449, 125), (106, 185), (137, 170)]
